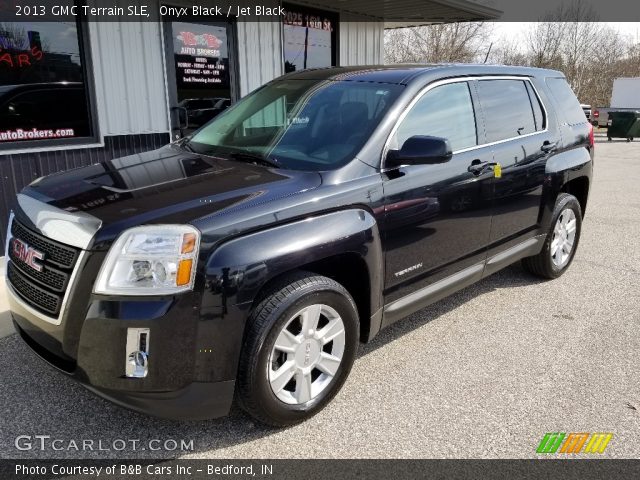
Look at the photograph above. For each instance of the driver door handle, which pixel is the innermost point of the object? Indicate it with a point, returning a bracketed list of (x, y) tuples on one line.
[(548, 146), (479, 167)]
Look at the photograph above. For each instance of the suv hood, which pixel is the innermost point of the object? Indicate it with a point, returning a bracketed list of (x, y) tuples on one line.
[(168, 185)]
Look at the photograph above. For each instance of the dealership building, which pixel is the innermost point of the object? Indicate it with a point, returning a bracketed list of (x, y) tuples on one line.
[(77, 91)]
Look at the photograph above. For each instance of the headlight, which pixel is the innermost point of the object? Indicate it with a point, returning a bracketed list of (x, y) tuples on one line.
[(150, 260)]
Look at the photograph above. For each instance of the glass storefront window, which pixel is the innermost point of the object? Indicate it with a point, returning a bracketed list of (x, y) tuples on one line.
[(202, 72), (309, 38), (201, 60), (43, 88)]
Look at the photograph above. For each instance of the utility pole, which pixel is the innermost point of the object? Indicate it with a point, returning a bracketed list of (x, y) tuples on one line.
[(306, 45), (486, 57)]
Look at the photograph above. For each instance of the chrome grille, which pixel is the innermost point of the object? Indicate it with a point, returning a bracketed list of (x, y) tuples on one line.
[(48, 277), (37, 297), (43, 290), (57, 253)]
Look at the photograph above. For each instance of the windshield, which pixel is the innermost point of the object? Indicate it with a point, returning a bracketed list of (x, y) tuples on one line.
[(299, 124)]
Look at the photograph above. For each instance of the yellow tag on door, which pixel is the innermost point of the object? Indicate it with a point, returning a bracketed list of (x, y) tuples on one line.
[(497, 170)]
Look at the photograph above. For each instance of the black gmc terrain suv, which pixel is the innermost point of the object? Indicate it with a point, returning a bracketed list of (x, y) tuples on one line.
[(250, 258)]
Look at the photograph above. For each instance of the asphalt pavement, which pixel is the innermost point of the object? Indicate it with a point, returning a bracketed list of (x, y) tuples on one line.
[(484, 373)]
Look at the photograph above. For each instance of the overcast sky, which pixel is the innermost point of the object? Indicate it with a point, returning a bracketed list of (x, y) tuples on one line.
[(514, 30), (527, 10)]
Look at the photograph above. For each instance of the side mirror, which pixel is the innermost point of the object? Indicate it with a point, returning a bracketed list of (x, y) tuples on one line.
[(421, 150)]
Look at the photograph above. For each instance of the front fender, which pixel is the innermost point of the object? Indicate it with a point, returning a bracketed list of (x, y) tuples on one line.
[(239, 268)]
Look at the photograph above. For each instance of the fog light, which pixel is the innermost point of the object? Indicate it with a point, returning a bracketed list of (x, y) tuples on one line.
[(137, 353)]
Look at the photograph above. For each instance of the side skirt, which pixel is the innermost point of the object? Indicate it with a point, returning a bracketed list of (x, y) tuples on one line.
[(424, 297), (529, 247)]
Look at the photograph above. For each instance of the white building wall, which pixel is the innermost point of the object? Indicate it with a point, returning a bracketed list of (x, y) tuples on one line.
[(260, 48), (259, 54), (129, 73), (360, 42)]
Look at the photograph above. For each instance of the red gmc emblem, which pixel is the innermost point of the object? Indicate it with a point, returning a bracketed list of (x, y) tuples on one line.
[(27, 254)]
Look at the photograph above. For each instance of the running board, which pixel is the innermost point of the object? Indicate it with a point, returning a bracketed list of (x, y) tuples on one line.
[(424, 297), (529, 247)]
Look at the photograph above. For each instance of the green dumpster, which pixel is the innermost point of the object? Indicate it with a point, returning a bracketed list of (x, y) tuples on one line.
[(624, 125)]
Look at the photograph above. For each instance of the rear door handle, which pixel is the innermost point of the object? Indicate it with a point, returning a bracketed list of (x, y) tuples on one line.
[(548, 146)]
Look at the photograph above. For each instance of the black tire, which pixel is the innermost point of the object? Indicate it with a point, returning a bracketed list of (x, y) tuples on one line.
[(542, 264), (283, 300)]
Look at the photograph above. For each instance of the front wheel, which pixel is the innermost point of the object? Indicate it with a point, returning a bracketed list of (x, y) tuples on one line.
[(299, 347), (562, 241)]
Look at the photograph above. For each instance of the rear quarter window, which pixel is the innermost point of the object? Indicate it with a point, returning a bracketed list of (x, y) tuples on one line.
[(567, 103)]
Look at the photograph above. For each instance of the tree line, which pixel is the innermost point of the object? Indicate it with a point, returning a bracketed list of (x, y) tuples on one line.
[(591, 54)]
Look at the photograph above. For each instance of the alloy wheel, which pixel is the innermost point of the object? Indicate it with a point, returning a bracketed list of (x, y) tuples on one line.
[(564, 236), (307, 354)]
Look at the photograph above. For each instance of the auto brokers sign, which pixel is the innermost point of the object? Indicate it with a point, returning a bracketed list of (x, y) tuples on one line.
[(201, 55)]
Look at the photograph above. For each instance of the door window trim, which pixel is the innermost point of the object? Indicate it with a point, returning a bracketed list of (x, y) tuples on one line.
[(470, 79)]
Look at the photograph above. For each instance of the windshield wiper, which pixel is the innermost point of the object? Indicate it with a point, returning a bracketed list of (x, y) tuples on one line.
[(254, 158), (187, 146), (184, 144)]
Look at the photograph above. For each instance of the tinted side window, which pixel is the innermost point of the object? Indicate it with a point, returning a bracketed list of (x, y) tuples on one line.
[(446, 111), (507, 109), (538, 114), (567, 102)]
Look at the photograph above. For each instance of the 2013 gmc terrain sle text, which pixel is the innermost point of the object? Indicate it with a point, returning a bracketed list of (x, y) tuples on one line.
[(250, 258)]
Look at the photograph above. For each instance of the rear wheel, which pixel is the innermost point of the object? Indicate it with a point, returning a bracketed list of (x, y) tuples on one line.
[(298, 350), (562, 241)]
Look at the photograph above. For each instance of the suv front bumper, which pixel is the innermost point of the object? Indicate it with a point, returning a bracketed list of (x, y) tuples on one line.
[(175, 386), (192, 345)]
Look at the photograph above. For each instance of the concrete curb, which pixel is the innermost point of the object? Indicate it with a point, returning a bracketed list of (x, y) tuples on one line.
[(6, 325)]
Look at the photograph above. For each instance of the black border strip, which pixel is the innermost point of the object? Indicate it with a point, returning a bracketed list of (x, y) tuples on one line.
[(500, 10), (324, 469)]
